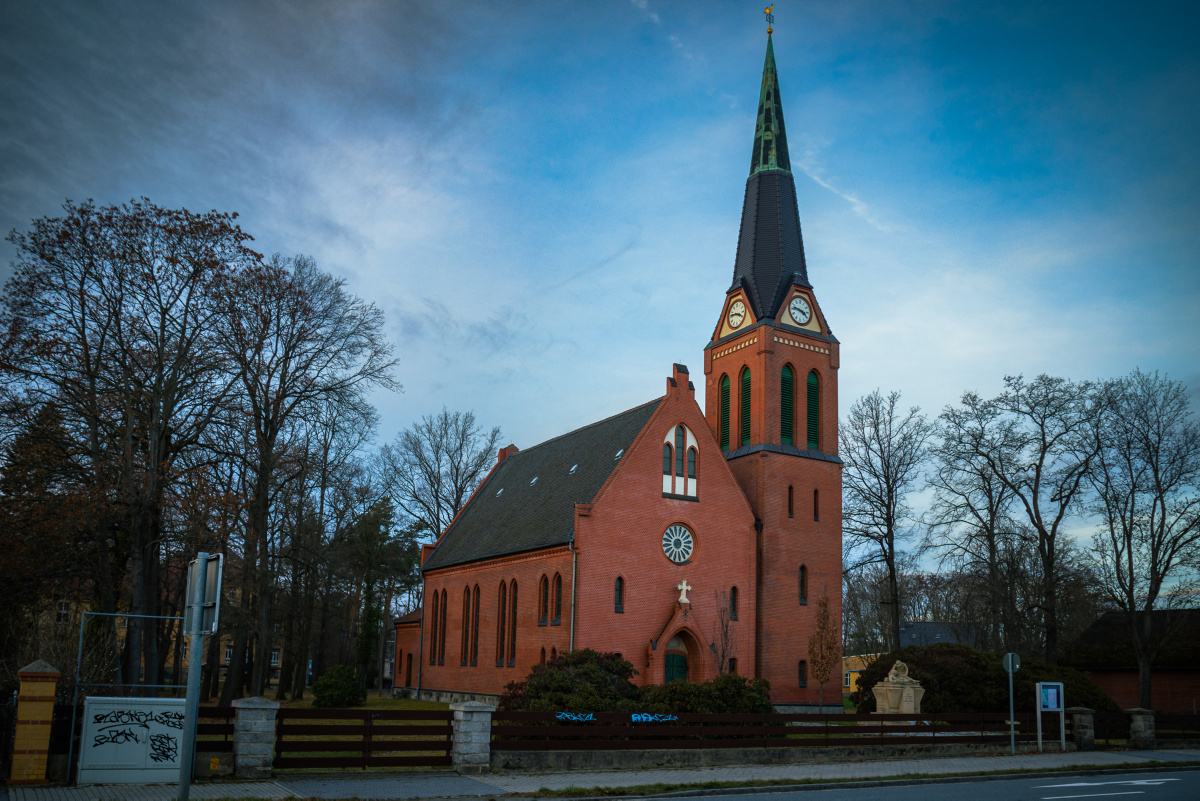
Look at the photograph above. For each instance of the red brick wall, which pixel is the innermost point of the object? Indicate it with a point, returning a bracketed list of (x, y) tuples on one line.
[(408, 640), (622, 536), (765, 477), (1175, 692)]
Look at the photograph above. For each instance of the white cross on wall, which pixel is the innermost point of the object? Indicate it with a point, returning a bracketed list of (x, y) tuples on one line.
[(683, 588)]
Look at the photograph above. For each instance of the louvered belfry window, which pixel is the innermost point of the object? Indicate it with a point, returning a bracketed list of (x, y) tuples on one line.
[(787, 418), (724, 412), (744, 403), (814, 410)]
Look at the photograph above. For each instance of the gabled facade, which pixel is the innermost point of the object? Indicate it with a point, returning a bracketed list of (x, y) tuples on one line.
[(689, 544)]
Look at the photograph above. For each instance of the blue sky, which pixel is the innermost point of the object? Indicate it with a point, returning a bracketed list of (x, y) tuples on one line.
[(544, 197)]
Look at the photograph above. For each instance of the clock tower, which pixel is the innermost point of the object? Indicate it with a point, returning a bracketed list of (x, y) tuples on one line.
[(771, 402)]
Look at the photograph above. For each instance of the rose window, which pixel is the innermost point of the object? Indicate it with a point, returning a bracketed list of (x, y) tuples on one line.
[(677, 544)]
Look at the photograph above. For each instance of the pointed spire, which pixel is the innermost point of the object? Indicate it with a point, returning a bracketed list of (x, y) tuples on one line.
[(770, 138)]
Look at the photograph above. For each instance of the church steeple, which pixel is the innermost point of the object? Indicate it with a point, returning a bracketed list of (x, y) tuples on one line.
[(770, 253), (770, 138)]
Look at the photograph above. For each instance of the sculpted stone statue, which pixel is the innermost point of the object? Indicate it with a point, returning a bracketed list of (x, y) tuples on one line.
[(899, 674), (899, 693)]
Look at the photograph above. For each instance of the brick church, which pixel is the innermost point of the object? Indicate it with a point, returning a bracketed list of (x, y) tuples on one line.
[(688, 541)]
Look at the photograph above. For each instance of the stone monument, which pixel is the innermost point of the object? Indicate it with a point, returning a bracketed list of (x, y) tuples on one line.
[(898, 694)]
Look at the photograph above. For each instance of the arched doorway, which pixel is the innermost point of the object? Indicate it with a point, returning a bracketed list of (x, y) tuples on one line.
[(676, 661)]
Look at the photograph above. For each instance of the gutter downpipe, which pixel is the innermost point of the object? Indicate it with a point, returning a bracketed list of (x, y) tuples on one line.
[(421, 647), (574, 562)]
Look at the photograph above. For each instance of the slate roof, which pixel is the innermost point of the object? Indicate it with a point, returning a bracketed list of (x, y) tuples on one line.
[(1108, 644), (770, 252), (528, 516), (932, 632)]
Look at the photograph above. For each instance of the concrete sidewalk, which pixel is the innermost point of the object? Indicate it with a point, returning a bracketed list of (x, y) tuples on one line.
[(451, 785)]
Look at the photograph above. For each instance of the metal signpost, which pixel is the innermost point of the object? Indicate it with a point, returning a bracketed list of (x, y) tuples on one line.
[(203, 606), (1012, 663), (1050, 699)]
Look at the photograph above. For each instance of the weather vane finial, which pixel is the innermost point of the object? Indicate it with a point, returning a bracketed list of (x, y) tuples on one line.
[(770, 17)]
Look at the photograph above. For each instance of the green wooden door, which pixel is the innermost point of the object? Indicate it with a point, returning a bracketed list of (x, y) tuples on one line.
[(676, 667)]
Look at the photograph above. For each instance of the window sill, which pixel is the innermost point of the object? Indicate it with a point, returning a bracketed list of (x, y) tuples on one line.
[(674, 497), (557, 622), (541, 622)]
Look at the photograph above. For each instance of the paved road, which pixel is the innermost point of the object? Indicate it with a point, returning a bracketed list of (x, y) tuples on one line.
[(1156, 786)]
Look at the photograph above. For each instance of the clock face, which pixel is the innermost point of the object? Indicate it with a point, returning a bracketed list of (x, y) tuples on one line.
[(800, 311), (737, 313), (677, 544)]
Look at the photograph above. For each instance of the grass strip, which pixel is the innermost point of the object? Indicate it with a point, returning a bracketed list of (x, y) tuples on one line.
[(660, 788)]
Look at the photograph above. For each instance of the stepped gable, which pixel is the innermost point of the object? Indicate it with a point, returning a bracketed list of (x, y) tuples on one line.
[(528, 515)]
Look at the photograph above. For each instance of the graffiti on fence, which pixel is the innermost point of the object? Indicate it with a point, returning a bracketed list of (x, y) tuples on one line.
[(576, 717), (647, 718)]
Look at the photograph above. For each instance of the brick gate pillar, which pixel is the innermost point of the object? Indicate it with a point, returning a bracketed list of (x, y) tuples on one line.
[(254, 737), (35, 708), (472, 748)]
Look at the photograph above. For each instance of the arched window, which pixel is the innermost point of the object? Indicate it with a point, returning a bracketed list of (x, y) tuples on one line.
[(691, 462), (433, 627), (724, 412), (817, 505), (791, 499), (666, 458), (787, 398), (553, 652), (442, 631), (803, 584), (733, 603), (680, 448), (556, 609), (542, 660), (502, 620), (744, 406), (814, 411), (512, 623), (465, 639), (619, 596), (475, 627), (543, 601)]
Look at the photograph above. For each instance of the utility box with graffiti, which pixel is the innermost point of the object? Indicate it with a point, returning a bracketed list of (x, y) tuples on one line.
[(130, 740)]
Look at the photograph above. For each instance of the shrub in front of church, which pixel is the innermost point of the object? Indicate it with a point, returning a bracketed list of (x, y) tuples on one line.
[(577, 681), (728, 693), (958, 678), (338, 687)]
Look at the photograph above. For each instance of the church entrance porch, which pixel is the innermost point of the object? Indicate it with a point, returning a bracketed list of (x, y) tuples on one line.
[(676, 662)]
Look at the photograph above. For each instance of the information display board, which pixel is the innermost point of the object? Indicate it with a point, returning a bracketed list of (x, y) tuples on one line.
[(130, 740), (1050, 699)]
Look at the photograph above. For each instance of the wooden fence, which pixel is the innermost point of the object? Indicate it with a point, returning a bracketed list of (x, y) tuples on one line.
[(362, 738), (549, 731), (1176, 727), (214, 729)]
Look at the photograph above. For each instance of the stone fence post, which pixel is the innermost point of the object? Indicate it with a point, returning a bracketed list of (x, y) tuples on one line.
[(35, 709), (254, 737), (472, 749), (1083, 727), (1141, 727)]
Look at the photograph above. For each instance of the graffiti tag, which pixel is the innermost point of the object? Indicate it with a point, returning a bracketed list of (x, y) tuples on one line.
[(115, 736), (163, 748), (648, 718), (137, 717), (576, 717)]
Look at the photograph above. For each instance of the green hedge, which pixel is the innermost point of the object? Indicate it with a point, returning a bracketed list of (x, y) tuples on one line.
[(957, 678)]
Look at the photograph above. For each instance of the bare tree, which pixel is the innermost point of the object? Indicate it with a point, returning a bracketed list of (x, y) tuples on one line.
[(432, 468), (884, 451), (1147, 482), (1033, 438), (300, 342), (724, 646), (824, 648)]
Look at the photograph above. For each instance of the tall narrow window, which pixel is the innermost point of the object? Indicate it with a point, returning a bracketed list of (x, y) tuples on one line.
[(733, 603), (744, 406), (791, 500), (501, 626), (803, 671), (803, 584), (475, 627), (814, 411), (666, 458), (817, 505), (542, 660), (787, 397), (465, 639), (553, 652), (691, 462), (442, 631), (733, 665), (433, 627), (724, 413), (619, 596), (556, 600), (512, 624), (543, 601), (680, 448)]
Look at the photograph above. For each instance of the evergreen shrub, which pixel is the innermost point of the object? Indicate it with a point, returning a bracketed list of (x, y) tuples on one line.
[(958, 678), (337, 688)]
